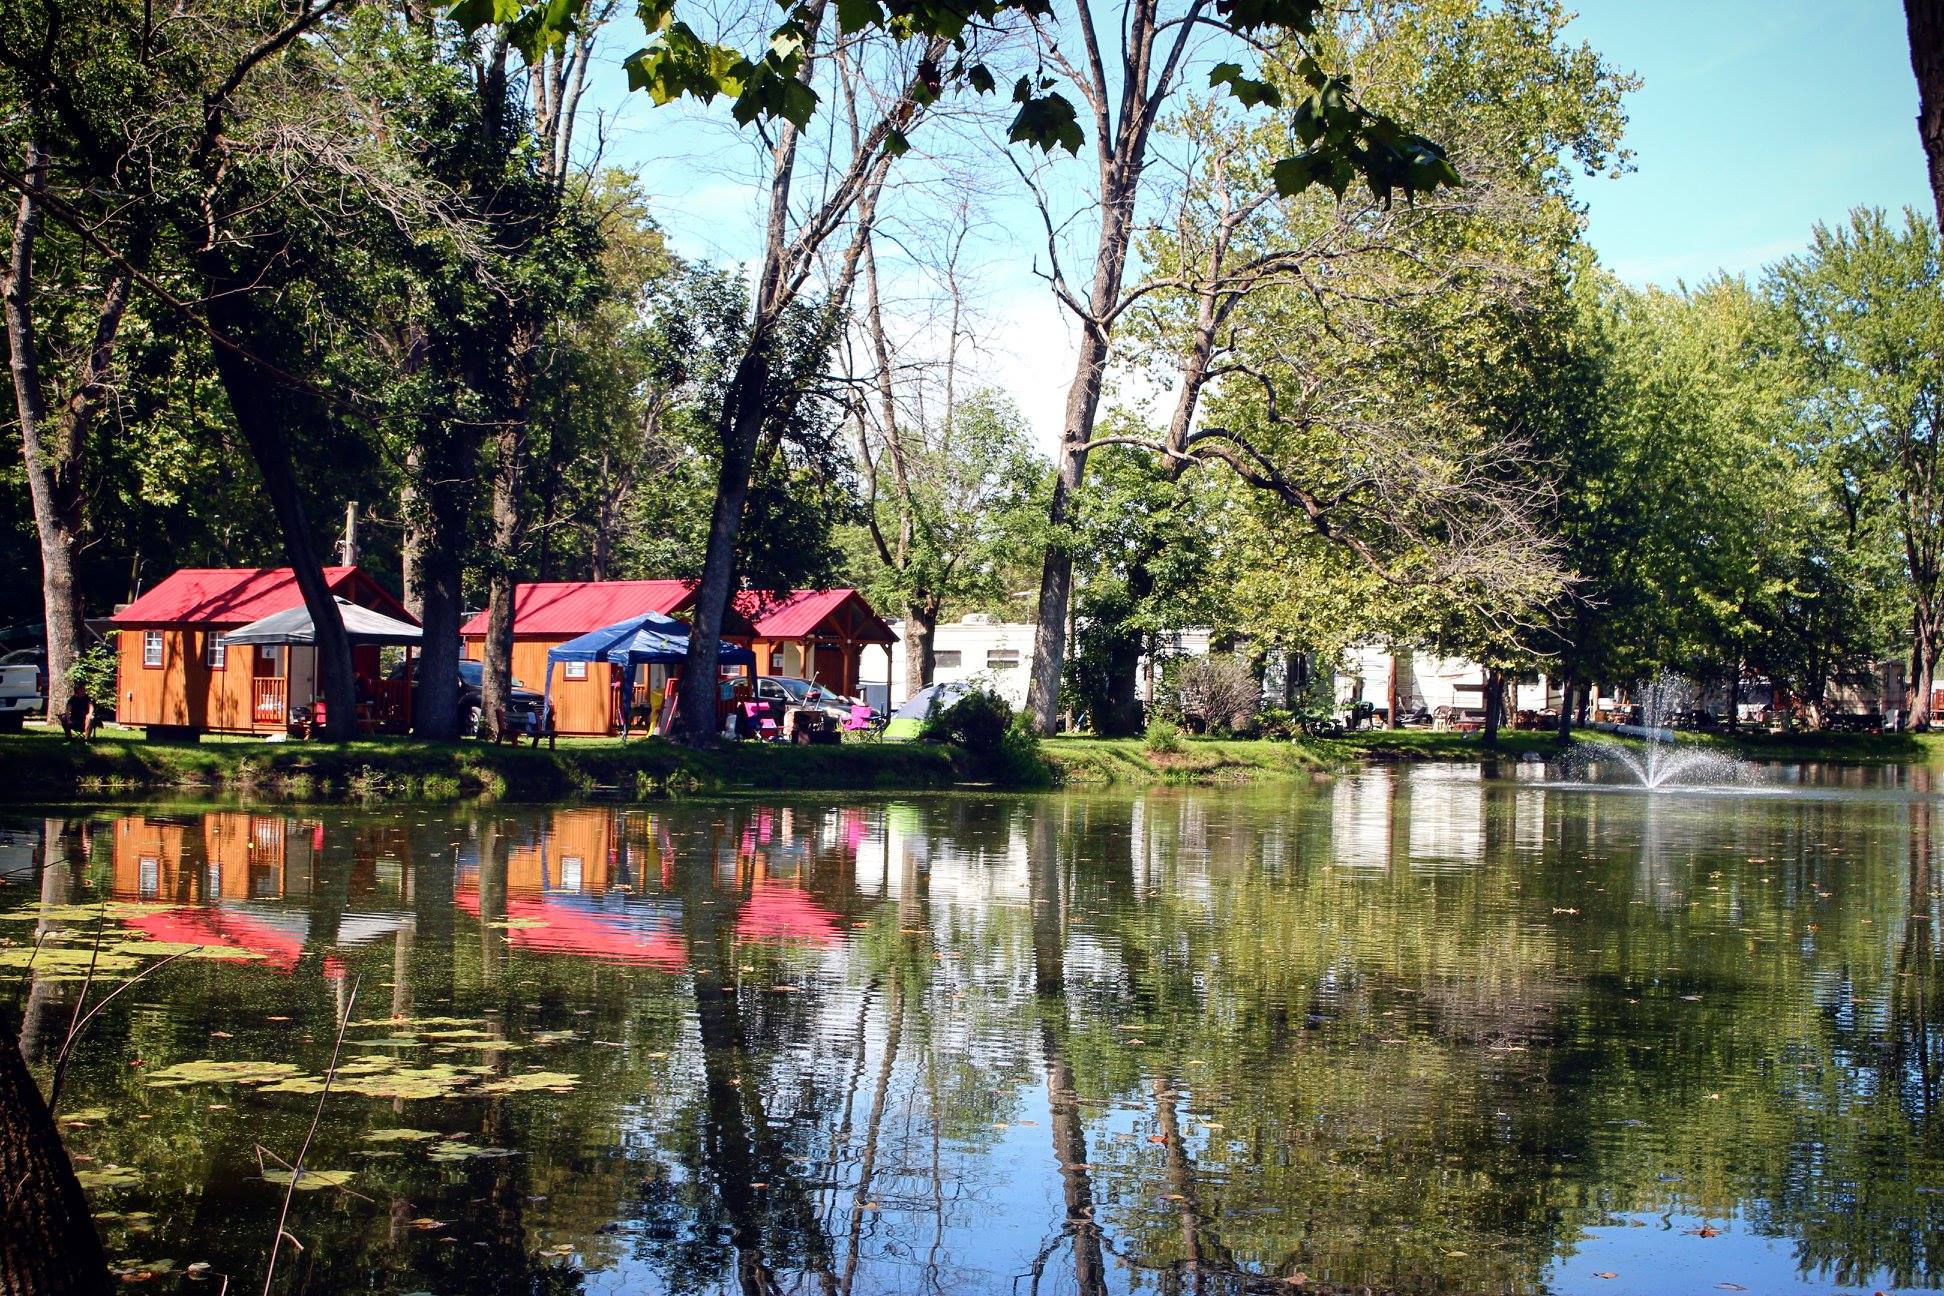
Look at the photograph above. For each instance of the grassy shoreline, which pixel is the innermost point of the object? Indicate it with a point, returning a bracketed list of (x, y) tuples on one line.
[(39, 766)]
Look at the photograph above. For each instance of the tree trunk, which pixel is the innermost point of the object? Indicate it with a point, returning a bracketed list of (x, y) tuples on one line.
[(496, 674), (695, 717), (411, 546), (921, 643), (1566, 706), (1123, 714), (48, 1243), (264, 409), (435, 693), (1926, 660), (1925, 19), (1056, 569), (1494, 705), (54, 448)]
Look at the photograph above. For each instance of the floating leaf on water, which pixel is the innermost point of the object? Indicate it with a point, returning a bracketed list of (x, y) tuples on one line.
[(68, 963), (309, 1179), (400, 1135), (517, 924), (469, 1033), (529, 1082), (211, 1071), (109, 1176), (186, 949), (86, 1116)]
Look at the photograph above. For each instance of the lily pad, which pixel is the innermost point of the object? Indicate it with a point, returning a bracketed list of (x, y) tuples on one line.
[(163, 949), (211, 1071), (530, 1082), (67, 962), (400, 1135), (110, 1176), (309, 1179)]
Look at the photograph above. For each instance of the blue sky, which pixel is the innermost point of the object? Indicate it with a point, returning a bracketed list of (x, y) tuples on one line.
[(1758, 118)]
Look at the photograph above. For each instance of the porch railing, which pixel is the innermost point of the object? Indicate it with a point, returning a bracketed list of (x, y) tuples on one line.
[(269, 696)]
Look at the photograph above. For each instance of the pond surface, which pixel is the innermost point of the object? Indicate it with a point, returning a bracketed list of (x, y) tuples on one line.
[(1425, 1029)]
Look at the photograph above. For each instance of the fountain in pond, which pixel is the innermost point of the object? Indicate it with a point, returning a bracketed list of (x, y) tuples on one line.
[(1661, 760)]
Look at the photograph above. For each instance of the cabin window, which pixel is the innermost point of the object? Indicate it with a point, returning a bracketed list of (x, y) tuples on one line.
[(949, 659), (148, 877), (574, 670), (570, 873), (1002, 659), (215, 652), (151, 647)]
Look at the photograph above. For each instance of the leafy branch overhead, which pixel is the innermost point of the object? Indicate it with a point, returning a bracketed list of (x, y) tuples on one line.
[(1342, 140)]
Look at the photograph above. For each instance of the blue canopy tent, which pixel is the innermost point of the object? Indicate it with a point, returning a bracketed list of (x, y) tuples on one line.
[(650, 639)]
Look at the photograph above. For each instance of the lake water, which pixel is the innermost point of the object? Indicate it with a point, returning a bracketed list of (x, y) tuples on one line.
[(1430, 1029)]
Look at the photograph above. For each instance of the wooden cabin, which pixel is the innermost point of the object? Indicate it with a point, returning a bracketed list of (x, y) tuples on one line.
[(818, 635), (175, 672), (546, 614)]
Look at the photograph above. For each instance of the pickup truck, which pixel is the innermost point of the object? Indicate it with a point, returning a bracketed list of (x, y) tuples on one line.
[(23, 689)]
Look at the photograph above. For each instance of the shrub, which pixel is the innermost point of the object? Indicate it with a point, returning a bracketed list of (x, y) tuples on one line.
[(1277, 723), (1217, 693), (976, 722), (94, 671), (1163, 736), (999, 744)]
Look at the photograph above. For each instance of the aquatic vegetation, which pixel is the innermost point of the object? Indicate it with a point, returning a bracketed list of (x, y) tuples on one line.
[(309, 1179), (213, 1071)]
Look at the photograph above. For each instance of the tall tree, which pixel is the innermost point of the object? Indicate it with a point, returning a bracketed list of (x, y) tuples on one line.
[(1126, 82), (1866, 308)]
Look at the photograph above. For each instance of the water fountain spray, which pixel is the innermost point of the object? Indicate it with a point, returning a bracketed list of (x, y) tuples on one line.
[(1661, 759)]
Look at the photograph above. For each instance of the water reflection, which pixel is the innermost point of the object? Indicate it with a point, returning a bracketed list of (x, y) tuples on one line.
[(1425, 1030)]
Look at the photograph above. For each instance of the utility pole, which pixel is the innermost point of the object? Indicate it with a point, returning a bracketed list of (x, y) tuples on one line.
[(348, 545)]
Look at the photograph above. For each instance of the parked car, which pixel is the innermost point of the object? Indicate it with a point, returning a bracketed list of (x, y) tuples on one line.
[(23, 688), (802, 692), (524, 713), (803, 712)]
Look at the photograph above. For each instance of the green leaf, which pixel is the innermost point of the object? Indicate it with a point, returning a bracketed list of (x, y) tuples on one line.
[(1292, 175), (1249, 91), (1046, 121), (895, 143), (856, 15), (471, 15), (979, 77)]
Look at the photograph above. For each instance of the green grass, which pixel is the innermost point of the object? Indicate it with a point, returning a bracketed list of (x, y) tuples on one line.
[(1080, 760), (42, 766)]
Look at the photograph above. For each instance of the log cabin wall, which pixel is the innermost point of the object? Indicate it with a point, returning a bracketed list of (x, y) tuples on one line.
[(184, 689)]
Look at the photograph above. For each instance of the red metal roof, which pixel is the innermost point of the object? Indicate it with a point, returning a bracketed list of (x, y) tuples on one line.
[(570, 608), (801, 614), (228, 596)]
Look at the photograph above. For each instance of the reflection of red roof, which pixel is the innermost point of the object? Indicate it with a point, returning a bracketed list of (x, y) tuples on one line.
[(188, 925), (779, 911), (842, 613), (226, 596), (570, 930), (564, 609)]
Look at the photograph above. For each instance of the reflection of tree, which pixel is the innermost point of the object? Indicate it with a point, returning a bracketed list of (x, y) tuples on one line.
[(1062, 1096), (1429, 1074), (1917, 1037)]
